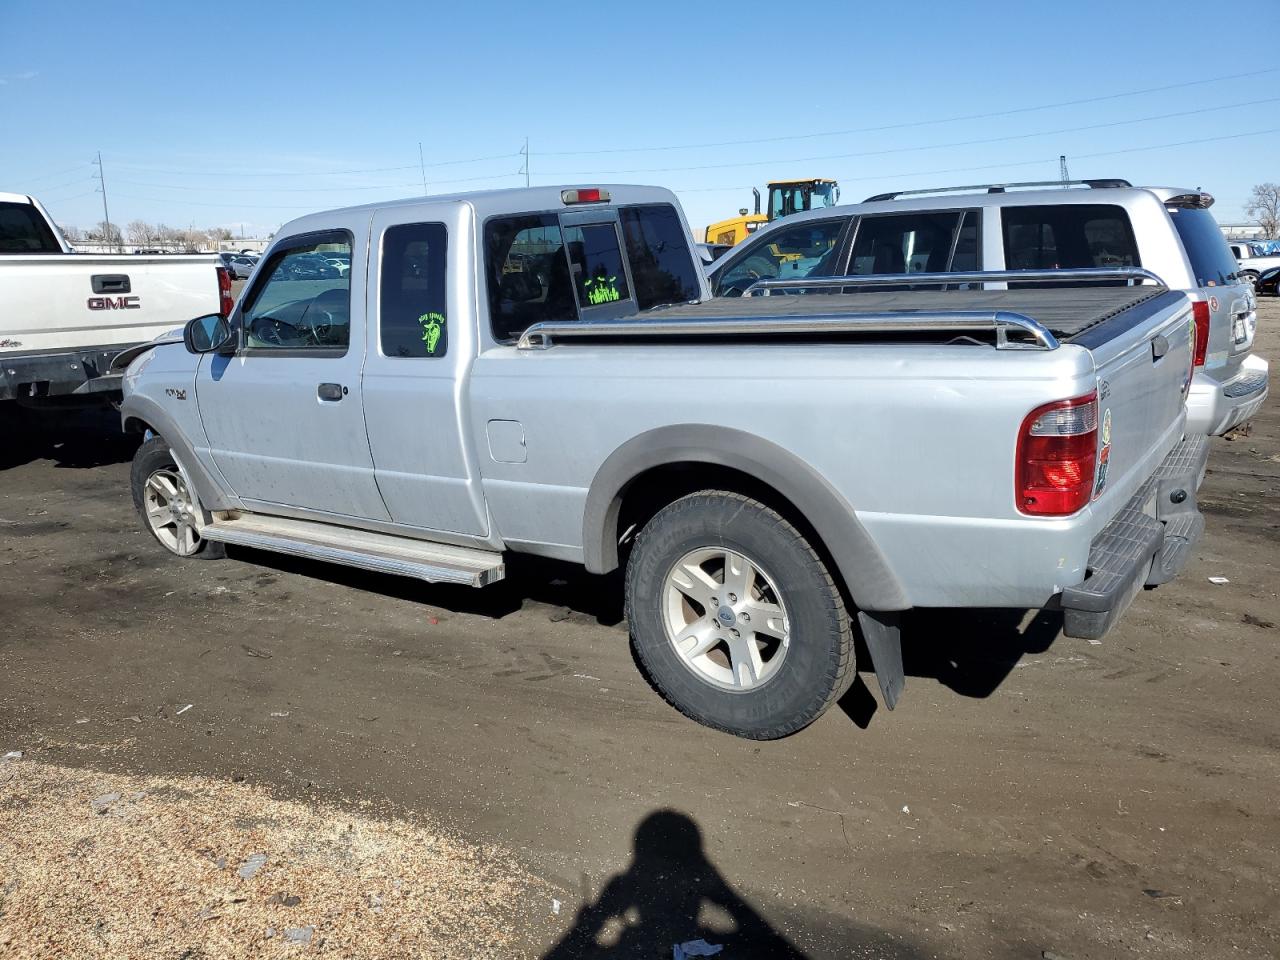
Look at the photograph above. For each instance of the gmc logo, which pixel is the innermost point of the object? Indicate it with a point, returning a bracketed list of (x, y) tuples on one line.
[(114, 303)]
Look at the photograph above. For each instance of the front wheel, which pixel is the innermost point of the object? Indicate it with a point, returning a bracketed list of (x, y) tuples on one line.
[(168, 506), (735, 618), (1250, 277)]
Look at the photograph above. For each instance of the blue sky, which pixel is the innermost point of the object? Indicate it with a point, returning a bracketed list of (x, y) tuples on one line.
[(253, 113)]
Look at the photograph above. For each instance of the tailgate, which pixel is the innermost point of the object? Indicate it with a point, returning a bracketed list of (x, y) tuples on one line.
[(51, 304), (1144, 371)]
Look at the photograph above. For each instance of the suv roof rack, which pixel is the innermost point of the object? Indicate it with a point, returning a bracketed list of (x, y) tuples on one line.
[(1002, 187)]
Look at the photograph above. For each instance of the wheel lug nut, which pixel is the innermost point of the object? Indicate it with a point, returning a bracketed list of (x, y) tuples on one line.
[(715, 602), (744, 617), (733, 598), (734, 633)]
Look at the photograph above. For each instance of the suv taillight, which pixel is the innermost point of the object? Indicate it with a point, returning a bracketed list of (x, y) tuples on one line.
[(226, 302), (1057, 457), (1200, 313)]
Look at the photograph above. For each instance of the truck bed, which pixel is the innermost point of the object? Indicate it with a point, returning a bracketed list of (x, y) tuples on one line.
[(1067, 312)]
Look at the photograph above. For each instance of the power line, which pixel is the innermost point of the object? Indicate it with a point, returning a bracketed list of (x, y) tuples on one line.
[(914, 123), (933, 146), (313, 173), (377, 186)]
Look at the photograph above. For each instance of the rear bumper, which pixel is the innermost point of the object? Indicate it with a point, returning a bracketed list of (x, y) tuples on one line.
[(1146, 544), (1216, 406), (82, 372)]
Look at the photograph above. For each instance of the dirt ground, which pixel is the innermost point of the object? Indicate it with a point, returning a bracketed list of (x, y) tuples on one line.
[(1031, 796)]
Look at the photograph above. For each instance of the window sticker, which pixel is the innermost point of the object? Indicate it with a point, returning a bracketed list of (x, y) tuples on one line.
[(432, 329), (601, 289)]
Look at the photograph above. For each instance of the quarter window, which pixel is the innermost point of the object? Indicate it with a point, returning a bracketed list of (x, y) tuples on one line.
[(1068, 236), (528, 274), (792, 252), (412, 309), (304, 302)]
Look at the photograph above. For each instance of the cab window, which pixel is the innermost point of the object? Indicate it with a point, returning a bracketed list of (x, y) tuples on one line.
[(412, 312), (1068, 236), (924, 242), (527, 274), (302, 301), (793, 252)]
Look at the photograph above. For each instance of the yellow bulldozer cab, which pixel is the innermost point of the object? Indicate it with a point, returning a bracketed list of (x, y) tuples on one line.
[(785, 198)]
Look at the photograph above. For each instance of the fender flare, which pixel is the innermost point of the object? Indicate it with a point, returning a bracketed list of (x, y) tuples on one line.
[(860, 563), (146, 410)]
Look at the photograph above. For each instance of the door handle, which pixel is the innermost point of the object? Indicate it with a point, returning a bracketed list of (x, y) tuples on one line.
[(331, 391)]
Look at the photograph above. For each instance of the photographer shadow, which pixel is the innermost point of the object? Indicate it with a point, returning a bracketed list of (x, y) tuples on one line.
[(662, 899)]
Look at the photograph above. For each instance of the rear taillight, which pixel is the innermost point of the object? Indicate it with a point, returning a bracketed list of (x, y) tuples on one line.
[(1200, 313), (1057, 457), (226, 302)]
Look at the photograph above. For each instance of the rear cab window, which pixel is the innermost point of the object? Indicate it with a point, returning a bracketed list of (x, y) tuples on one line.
[(1211, 261), (585, 263), (23, 230), (1068, 236)]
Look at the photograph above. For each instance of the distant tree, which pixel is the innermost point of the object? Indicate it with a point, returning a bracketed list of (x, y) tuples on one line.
[(71, 233), (140, 233), (1264, 206), (220, 233), (107, 232)]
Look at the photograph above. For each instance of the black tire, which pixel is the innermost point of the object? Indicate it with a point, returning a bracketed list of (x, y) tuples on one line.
[(819, 663), (153, 456), (1250, 276)]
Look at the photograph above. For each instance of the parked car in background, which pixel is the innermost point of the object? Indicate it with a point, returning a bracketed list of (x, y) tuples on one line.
[(518, 378), (64, 316), (242, 266), (1268, 284), (1096, 223), (1254, 258)]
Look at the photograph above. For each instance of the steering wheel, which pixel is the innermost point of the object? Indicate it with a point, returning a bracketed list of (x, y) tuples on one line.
[(320, 321), (278, 333)]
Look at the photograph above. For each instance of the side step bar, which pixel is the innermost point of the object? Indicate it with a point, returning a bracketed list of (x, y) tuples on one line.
[(379, 552)]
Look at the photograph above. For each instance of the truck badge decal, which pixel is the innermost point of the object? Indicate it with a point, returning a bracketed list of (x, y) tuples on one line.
[(432, 328), (1104, 455), (10, 343), (114, 303), (602, 290), (175, 393), (1213, 304)]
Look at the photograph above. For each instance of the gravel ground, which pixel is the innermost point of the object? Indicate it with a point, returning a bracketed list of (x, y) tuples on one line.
[(1031, 795)]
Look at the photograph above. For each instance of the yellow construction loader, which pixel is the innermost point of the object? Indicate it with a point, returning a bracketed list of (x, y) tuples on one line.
[(785, 198)]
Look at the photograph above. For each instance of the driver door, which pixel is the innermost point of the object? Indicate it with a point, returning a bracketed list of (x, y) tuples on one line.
[(283, 416)]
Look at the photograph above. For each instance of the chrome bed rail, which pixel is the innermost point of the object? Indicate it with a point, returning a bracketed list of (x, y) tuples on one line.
[(959, 322)]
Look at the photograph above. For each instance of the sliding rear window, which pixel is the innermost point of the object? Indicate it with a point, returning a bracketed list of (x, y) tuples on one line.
[(23, 230), (1211, 259), (598, 262)]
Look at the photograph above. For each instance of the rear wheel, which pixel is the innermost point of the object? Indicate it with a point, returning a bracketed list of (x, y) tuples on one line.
[(1250, 277), (735, 617), (169, 508)]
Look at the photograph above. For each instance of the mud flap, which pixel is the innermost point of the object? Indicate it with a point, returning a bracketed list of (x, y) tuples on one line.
[(883, 634)]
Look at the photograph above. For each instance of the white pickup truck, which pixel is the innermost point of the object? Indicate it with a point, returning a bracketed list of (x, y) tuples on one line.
[(64, 316)]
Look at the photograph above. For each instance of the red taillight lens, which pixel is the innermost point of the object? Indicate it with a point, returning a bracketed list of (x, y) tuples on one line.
[(1200, 313), (1057, 457), (585, 195), (226, 302)]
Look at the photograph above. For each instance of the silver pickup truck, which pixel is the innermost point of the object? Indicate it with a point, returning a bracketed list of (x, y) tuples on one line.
[(543, 371)]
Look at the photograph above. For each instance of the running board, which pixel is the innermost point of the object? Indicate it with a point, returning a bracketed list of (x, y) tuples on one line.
[(380, 552)]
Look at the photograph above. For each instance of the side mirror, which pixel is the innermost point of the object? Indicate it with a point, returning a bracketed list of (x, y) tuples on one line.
[(207, 334)]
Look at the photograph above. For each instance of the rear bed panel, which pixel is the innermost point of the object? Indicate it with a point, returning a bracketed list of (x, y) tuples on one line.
[(48, 304)]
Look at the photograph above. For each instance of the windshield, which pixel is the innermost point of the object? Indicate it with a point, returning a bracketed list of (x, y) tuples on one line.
[(824, 195)]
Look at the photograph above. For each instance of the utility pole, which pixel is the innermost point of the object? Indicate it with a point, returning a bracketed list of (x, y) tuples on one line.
[(106, 217), (525, 169), (1062, 168), (423, 167)]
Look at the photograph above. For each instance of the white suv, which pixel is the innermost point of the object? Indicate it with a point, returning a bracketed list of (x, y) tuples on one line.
[(1090, 223)]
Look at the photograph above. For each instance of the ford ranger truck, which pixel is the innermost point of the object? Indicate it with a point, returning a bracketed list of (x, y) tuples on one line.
[(542, 371), (64, 316)]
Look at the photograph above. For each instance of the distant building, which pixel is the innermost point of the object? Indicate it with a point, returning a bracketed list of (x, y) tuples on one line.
[(1242, 231)]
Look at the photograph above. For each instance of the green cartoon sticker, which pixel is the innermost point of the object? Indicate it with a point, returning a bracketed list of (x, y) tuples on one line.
[(432, 331), (602, 290)]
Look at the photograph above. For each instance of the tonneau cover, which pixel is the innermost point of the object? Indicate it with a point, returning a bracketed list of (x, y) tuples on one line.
[(1066, 311)]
